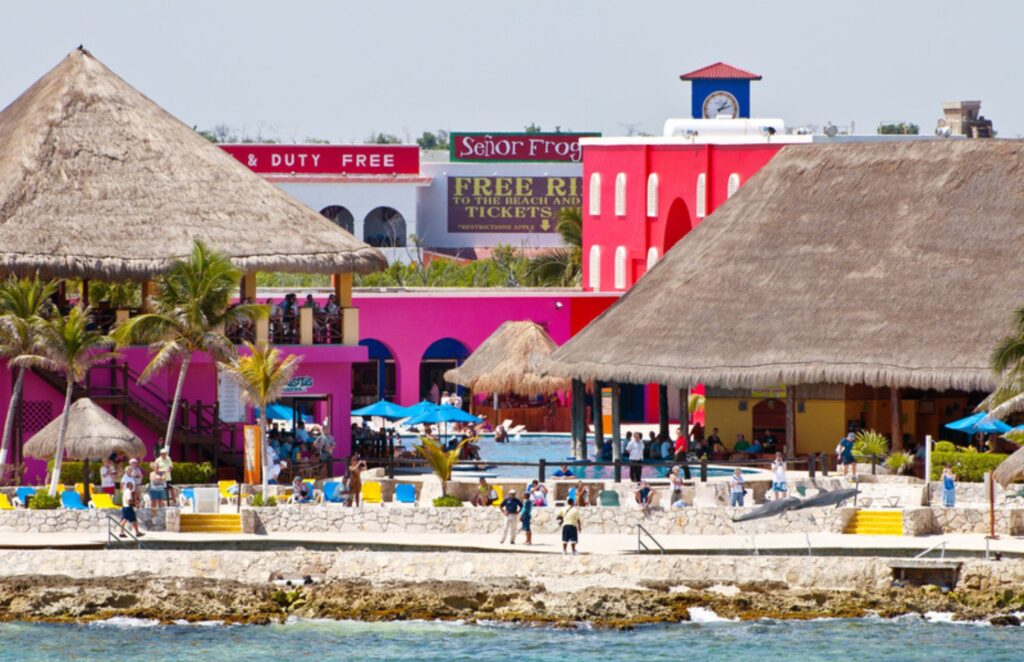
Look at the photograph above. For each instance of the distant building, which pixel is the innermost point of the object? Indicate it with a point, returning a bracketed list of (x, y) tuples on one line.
[(964, 118)]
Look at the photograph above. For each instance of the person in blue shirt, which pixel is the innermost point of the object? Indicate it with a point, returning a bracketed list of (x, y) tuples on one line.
[(564, 472), (948, 487), (524, 519), (510, 508), (606, 450), (845, 451)]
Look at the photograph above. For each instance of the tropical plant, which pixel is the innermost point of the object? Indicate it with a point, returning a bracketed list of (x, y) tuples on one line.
[(259, 502), (695, 403), (447, 502), (869, 444), (440, 460), (562, 267), (968, 467), (1007, 361), (944, 447), (22, 302), (190, 310), (44, 501), (262, 376), (899, 462), (116, 295), (67, 344)]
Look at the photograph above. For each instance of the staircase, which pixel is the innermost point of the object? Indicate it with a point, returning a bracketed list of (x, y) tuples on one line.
[(876, 523), (211, 523)]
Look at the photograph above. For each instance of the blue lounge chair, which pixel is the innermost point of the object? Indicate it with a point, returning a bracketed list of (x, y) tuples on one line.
[(334, 492), (188, 496), (72, 500), (22, 496), (405, 493)]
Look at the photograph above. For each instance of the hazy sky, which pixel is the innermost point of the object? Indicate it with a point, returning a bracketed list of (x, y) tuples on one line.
[(341, 70)]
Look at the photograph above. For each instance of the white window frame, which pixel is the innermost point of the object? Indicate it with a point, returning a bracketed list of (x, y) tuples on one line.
[(652, 257), (702, 195), (594, 275), (620, 194), (621, 262), (652, 195), (594, 204), (733, 185)]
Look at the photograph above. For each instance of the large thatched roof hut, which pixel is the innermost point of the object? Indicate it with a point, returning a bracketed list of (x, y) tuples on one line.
[(895, 264), (98, 181), (506, 362), (92, 434)]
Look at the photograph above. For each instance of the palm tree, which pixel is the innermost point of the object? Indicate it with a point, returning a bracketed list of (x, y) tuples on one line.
[(562, 266), (21, 303), (262, 376), (191, 309), (440, 460), (66, 343), (1007, 361)]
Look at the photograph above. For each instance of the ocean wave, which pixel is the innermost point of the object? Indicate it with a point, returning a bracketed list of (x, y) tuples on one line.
[(125, 622), (705, 615)]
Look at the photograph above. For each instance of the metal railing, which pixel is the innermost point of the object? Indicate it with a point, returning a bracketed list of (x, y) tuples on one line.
[(641, 546), (115, 523), (941, 546)]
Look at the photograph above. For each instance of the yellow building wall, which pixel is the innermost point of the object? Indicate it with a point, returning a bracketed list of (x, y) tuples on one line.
[(725, 414), (820, 426)]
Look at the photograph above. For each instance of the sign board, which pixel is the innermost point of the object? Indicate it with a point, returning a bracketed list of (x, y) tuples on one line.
[(562, 147), (509, 204), (229, 396), (299, 384), (328, 159), (253, 454), (774, 392)]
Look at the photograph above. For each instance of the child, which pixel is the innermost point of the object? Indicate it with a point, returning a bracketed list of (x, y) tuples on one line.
[(524, 518), (779, 488), (129, 500), (948, 487)]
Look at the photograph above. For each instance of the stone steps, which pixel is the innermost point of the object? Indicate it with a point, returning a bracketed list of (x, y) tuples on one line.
[(876, 523), (210, 523)]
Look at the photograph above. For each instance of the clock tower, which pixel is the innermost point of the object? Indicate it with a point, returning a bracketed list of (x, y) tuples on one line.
[(720, 90)]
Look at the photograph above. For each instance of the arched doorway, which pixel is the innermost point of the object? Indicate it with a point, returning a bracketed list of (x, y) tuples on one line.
[(384, 227), (377, 377), (441, 356), (677, 224), (340, 217), (769, 415)]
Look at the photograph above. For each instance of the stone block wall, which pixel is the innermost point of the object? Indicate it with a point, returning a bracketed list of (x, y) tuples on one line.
[(61, 520)]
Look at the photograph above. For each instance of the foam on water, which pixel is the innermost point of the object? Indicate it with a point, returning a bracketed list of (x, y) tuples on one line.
[(705, 615), (126, 622)]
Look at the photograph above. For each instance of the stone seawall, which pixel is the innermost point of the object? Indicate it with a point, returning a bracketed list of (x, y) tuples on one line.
[(61, 520)]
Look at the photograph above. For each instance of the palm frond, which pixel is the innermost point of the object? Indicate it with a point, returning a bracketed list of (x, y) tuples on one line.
[(262, 374)]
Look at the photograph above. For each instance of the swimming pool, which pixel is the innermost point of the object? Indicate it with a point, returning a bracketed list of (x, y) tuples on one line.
[(556, 449)]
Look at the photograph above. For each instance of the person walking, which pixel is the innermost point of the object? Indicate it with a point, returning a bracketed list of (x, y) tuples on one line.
[(635, 451), (948, 487), (779, 488), (572, 525), (355, 479), (737, 490), (844, 451), (524, 519), (129, 501), (510, 508)]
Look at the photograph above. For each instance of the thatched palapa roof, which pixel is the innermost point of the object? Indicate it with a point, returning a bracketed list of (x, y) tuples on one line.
[(98, 181), (507, 362), (92, 434), (886, 264)]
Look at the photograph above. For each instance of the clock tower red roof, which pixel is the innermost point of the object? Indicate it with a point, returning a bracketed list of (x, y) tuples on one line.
[(720, 70)]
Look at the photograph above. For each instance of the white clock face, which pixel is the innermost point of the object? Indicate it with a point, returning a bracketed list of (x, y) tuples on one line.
[(721, 104)]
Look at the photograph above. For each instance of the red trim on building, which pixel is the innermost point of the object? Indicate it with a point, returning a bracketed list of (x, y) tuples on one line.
[(348, 179), (720, 70)]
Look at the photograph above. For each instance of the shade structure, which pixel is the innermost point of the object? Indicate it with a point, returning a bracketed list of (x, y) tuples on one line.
[(507, 362), (885, 264), (92, 434), (979, 422), (1010, 469), (443, 414), (98, 181), (382, 409), (279, 412)]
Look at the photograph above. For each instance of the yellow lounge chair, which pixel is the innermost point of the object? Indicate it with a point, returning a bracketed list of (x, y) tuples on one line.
[(372, 493), (102, 501), (501, 495), (5, 503), (81, 490), (223, 486)]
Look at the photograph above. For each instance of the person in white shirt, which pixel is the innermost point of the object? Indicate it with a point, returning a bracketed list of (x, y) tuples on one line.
[(737, 490), (779, 488), (455, 400), (635, 451), (108, 476), (133, 473), (274, 470)]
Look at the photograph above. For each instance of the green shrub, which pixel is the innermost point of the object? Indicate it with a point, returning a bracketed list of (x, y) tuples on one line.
[(43, 501), (868, 443), (257, 501), (944, 447), (183, 473), (968, 467), (447, 502), (899, 462), (71, 472), (193, 473)]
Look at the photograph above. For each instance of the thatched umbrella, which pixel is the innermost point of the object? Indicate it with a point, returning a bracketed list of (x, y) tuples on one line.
[(1010, 469), (506, 362), (98, 181), (92, 433)]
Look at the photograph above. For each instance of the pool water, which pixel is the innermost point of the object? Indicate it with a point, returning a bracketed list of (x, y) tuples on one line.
[(556, 449), (910, 638)]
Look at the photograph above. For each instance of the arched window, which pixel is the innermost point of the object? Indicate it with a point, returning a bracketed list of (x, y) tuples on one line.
[(652, 195), (620, 268), (384, 227), (595, 194), (702, 196), (340, 216), (620, 194), (652, 257), (594, 276), (733, 185)]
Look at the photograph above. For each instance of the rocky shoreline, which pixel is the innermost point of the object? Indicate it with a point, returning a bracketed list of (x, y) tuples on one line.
[(513, 600)]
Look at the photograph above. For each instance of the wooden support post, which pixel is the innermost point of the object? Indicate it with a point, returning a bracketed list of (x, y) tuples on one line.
[(663, 410), (85, 292), (579, 423), (616, 422), (148, 292), (598, 413), (896, 404), (791, 421), (349, 326), (342, 284), (263, 331), (248, 287), (305, 326), (684, 410)]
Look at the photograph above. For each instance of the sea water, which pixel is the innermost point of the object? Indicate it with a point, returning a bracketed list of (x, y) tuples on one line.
[(906, 638)]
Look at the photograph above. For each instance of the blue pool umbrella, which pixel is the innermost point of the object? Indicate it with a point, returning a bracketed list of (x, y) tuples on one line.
[(279, 412), (976, 423), (419, 408), (443, 414), (382, 409)]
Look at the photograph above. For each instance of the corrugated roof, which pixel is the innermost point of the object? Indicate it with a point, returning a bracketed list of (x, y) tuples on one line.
[(720, 70)]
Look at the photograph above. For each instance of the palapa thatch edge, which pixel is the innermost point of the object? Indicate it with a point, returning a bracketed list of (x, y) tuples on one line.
[(507, 362)]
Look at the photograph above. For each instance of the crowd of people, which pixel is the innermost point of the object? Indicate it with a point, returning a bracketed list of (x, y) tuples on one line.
[(304, 449)]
